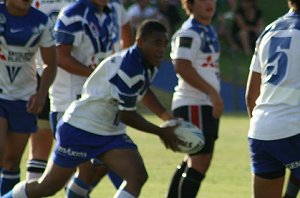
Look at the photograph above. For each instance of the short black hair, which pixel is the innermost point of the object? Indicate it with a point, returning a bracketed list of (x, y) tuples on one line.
[(296, 3), (148, 27)]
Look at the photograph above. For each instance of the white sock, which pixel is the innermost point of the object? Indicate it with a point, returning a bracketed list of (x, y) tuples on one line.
[(19, 190), (123, 194), (35, 169)]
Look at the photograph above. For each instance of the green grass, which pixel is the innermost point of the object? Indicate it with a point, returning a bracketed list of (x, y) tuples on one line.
[(229, 175)]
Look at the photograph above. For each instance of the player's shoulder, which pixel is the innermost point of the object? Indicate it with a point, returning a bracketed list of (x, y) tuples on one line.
[(75, 8), (132, 61), (37, 16)]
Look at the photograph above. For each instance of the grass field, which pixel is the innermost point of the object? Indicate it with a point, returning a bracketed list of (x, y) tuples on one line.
[(229, 175)]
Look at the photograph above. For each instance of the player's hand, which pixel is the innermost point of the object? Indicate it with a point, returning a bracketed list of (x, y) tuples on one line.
[(169, 138), (35, 104), (218, 105)]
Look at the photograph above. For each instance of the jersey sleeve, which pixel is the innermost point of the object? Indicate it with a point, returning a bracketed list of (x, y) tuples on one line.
[(68, 30), (185, 45), (47, 38)]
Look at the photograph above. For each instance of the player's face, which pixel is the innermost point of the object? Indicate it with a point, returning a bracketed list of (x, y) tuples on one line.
[(18, 7), (204, 10), (154, 47)]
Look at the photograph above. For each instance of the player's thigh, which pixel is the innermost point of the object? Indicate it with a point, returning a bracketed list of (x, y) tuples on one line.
[(127, 163), (267, 188)]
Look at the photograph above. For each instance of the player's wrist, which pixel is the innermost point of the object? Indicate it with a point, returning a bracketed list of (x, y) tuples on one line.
[(166, 116)]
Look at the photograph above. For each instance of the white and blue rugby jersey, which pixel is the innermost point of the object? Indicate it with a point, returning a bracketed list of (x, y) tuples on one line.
[(277, 111), (20, 38), (199, 44), (118, 83), (50, 8), (93, 35)]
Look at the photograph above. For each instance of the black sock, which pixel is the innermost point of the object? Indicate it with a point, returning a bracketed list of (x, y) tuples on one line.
[(173, 188), (190, 183)]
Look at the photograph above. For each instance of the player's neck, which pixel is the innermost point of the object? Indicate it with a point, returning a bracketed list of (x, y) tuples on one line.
[(14, 11)]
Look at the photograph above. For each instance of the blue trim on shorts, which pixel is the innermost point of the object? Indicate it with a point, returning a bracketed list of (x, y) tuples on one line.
[(275, 155), (18, 119), (75, 146)]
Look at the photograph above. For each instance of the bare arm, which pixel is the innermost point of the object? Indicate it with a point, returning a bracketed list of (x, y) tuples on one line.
[(36, 102), (127, 36), (152, 103), (135, 120), (67, 62), (190, 75), (252, 91)]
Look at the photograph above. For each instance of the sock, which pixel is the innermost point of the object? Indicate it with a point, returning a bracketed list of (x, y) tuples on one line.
[(115, 179), (190, 183), (17, 192), (173, 188), (8, 180), (77, 188), (292, 187), (123, 194), (35, 169)]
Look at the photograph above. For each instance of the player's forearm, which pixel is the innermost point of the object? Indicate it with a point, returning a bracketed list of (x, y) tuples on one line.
[(47, 79), (135, 120), (153, 104), (70, 64)]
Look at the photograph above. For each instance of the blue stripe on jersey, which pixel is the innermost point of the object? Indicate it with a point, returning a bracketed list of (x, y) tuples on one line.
[(209, 35), (127, 88), (101, 34), (132, 81), (72, 28), (18, 31), (64, 38), (289, 21), (128, 101)]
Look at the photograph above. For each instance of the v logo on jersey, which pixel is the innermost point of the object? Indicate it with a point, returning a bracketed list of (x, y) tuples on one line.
[(12, 72)]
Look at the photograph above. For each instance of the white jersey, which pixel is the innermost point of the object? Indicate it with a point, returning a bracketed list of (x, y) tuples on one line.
[(198, 44), (20, 38), (277, 111), (94, 36), (50, 8), (118, 83)]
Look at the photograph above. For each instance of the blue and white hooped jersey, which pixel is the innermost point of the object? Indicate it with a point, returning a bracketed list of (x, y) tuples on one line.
[(118, 83), (20, 38), (277, 111), (93, 35), (198, 44)]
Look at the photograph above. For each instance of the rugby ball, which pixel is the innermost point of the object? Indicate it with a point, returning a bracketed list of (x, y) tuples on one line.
[(191, 138)]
